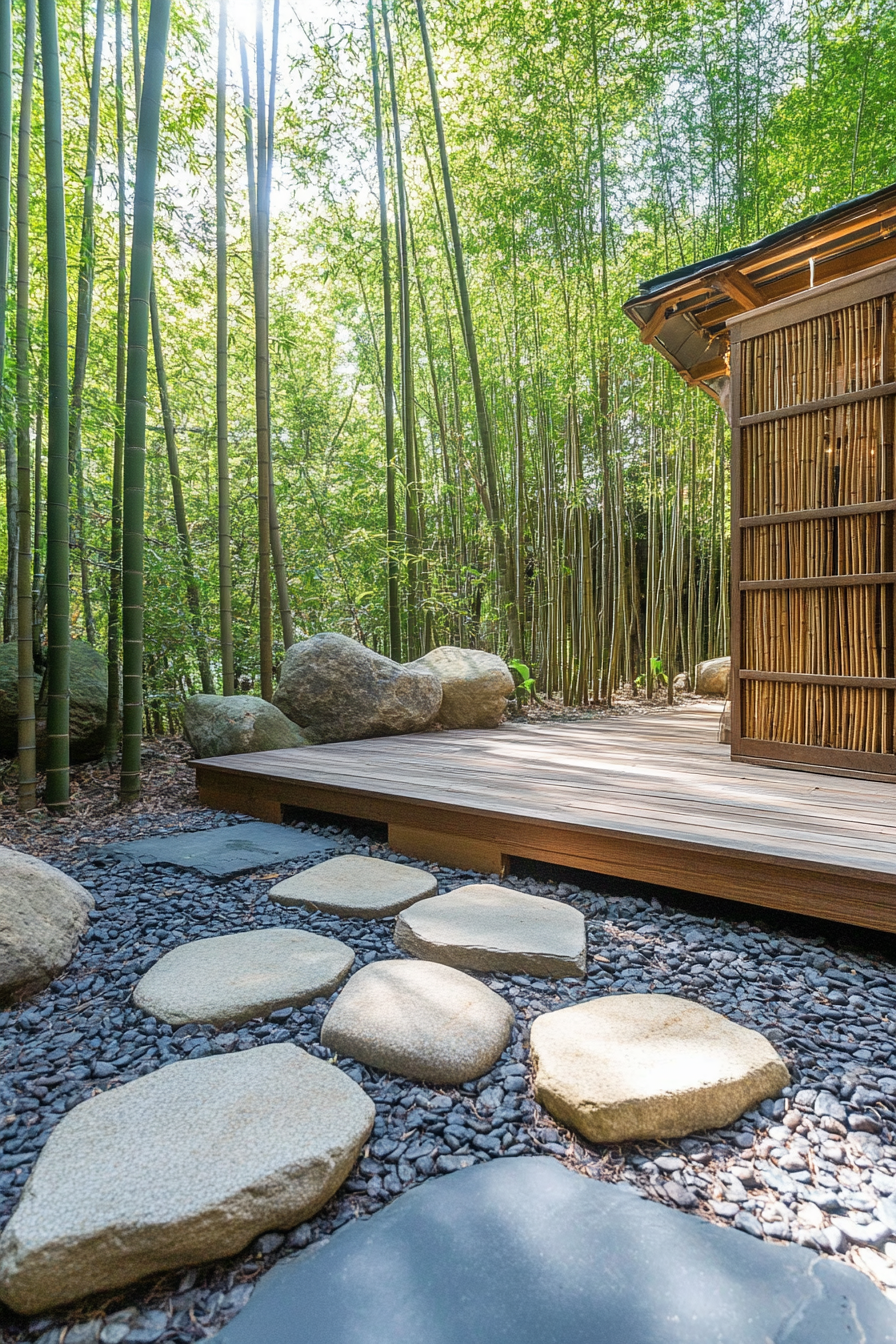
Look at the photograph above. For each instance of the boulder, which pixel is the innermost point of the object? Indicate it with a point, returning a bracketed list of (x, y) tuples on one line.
[(713, 677), (242, 975), (356, 887), (649, 1066), (87, 708), (489, 928), (186, 1164), (227, 725), (420, 1020), (338, 691), (42, 914), (475, 686)]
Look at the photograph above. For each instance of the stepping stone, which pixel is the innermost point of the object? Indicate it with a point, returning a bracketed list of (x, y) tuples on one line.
[(242, 975), (427, 1022), (186, 1164), (356, 887), (524, 1251), (225, 850), (490, 928), (649, 1066)]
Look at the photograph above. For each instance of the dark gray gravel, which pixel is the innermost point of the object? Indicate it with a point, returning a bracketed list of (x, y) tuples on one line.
[(816, 1166)]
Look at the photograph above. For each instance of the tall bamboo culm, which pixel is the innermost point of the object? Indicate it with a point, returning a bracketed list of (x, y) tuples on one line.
[(491, 496), (113, 640), (393, 594), (262, 418), (9, 603), (58, 630), (27, 740), (225, 581), (135, 395), (86, 267)]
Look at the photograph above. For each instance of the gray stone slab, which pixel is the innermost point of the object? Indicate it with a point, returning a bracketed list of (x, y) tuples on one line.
[(524, 1251), (226, 849)]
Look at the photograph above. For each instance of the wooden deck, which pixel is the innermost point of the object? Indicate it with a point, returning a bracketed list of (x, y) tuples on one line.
[(654, 798)]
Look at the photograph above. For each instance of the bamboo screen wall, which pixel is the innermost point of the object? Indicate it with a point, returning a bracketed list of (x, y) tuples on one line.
[(813, 539)]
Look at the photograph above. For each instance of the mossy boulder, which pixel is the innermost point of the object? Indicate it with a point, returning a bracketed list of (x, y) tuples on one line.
[(87, 709), (227, 725)]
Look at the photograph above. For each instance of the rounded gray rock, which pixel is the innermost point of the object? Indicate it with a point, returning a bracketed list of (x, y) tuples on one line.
[(419, 1020), (186, 1164), (42, 915), (475, 686), (649, 1066), (356, 887), (713, 676), (490, 928), (336, 690), (242, 975), (228, 725)]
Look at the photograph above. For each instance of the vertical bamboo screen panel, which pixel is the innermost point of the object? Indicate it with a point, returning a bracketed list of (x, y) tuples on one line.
[(814, 529)]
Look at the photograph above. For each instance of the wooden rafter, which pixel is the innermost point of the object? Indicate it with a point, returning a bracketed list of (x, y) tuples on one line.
[(737, 287), (654, 322)]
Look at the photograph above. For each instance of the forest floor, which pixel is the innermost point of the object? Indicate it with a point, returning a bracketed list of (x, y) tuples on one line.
[(169, 784), (816, 1166), (625, 702)]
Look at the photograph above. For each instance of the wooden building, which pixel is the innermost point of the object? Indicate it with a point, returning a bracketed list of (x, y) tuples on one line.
[(794, 337)]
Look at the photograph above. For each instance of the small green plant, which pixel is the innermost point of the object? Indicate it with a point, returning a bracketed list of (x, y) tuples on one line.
[(523, 679), (657, 671)]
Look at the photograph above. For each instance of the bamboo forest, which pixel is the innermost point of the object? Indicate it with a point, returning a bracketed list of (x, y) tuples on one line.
[(310, 320)]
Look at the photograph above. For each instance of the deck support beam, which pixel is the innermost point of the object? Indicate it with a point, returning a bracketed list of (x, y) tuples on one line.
[(451, 851)]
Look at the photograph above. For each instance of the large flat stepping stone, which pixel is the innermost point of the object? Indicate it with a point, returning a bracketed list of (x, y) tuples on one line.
[(490, 928), (356, 887), (242, 975), (523, 1251), (420, 1020), (645, 1066), (183, 1165), (225, 850)]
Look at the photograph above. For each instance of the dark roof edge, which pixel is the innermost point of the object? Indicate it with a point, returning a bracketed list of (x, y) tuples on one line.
[(648, 288)]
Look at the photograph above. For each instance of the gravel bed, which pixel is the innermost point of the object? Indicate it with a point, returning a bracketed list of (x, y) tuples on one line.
[(816, 1166)]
